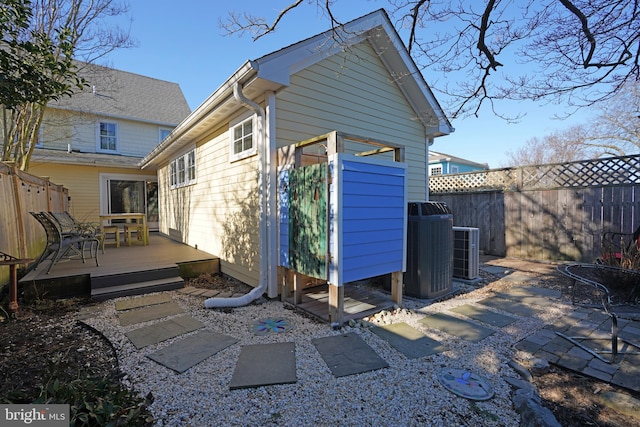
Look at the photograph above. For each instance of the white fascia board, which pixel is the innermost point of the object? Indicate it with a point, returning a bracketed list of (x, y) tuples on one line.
[(222, 94), (280, 65)]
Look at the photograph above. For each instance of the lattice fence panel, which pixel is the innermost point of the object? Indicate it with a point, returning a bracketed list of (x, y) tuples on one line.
[(622, 170)]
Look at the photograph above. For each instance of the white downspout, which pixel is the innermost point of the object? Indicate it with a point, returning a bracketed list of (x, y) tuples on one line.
[(263, 170)]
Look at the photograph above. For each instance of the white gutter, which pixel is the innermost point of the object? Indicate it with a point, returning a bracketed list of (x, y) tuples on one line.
[(263, 170)]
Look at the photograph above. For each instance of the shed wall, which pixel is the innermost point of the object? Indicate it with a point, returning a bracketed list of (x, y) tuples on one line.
[(352, 92)]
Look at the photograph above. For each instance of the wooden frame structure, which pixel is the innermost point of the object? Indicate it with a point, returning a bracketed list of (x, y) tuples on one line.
[(294, 156)]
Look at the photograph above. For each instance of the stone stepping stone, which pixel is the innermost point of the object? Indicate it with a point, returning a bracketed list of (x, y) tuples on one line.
[(130, 303), (188, 352), (495, 269), (457, 327), (265, 364), (484, 315), (526, 299), (408, 340), (162, 331), (348, 354), (511, 306), (534, 291), (520, 278), (151, 312)]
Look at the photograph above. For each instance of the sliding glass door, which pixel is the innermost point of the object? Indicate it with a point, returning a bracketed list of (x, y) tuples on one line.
[(131, 194)]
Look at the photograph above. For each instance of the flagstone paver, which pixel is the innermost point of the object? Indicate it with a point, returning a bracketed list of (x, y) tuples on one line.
[(409, 341), (469, 331), (151, 312), (162, 331)]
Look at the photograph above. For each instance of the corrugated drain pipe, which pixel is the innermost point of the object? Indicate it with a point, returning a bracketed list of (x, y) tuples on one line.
[(263, 147)]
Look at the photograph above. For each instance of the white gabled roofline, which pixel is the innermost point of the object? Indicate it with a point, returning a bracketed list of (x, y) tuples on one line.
[(274, 70), (278, 66)]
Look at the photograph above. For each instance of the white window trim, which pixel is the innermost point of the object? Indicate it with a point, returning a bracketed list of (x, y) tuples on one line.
[(435, 168), (173, 166), (104, 193), (233, 157), (99, 148)]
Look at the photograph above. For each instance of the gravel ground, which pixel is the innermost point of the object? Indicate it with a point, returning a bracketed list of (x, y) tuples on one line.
[(407, 393)]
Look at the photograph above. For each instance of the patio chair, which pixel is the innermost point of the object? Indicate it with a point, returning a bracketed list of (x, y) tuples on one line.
[(624, 301), (110, 232), (139, 230), (59, 243), (71, 226)]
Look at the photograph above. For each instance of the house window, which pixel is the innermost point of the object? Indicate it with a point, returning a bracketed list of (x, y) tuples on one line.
[(191, 166), (454, 169), (436, 170), (182, 170), (173, 180), (108, 136), (163, 133), (241, 136)]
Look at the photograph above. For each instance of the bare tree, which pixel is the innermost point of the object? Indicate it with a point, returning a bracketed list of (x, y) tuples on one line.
[(578, 51), (557, 147), (615, 131), (72, 30)]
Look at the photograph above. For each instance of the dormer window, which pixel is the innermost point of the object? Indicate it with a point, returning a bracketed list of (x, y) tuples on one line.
[(108, 136)]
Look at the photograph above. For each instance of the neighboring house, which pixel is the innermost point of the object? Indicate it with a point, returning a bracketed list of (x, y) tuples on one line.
[(218, 170), (92, 142), (441, 164)]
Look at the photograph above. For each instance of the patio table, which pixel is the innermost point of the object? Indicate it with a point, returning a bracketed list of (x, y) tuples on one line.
[(139, 218)]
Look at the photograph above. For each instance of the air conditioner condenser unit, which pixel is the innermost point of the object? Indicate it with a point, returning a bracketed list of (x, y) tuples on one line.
[(466, 252)]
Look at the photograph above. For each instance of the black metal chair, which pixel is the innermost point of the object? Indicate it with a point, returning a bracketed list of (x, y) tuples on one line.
[(59, 243), (71, 226)]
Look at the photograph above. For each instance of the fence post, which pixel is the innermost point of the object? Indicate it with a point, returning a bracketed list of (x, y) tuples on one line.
[(20, 226)]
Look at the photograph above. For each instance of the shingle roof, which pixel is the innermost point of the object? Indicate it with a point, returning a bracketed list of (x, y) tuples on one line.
[(116, 93)]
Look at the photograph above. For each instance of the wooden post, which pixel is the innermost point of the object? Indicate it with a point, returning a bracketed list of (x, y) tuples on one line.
[(284, 275), (396, 287), (336, 304), (297, 288), (20, 221)]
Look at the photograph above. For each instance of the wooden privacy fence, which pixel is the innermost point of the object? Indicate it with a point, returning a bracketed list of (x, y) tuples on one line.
[(20, 234), (546, 212)]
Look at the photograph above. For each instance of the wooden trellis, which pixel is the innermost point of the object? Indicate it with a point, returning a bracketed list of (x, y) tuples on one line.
[(621, 170)]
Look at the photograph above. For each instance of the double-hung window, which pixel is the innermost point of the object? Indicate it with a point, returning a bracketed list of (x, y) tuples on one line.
[(242, 137), (108, 136), (182, 170)]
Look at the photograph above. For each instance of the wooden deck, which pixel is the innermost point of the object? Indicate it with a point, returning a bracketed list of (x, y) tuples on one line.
[(358, 302), (127, 267)]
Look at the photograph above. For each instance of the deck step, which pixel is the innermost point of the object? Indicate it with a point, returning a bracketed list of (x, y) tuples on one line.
[(137, 288), (112, 280)]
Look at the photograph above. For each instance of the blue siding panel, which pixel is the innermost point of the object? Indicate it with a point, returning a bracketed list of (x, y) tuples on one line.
[(372, 217)]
